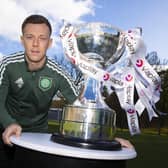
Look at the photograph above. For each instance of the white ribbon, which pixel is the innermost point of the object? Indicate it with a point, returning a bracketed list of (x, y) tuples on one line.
[(126, 98), (138, 73)]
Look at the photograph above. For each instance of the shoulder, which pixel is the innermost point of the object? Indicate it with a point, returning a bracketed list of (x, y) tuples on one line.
[(54, 66), (13, 58), (59, 70)]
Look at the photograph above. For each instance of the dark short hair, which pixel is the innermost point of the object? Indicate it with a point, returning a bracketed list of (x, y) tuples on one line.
[(36, 19)]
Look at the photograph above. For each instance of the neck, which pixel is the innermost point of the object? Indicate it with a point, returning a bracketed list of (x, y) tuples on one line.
[(34, 66)]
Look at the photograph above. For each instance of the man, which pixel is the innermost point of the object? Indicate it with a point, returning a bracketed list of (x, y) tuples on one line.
[(29, 80)]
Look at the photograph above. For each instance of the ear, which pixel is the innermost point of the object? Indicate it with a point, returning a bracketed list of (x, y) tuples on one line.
[(21, 39), (50, 42)]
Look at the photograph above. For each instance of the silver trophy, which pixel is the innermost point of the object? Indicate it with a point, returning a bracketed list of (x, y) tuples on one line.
[(89, 118)]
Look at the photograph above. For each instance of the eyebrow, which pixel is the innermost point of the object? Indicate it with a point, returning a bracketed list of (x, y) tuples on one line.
[(42, 35)]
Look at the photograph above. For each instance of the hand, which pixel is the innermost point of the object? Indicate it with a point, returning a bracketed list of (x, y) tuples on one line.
[(13, 129), (125, 143)]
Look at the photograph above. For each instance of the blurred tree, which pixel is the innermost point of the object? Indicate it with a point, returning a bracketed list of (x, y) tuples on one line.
[(153, 58)]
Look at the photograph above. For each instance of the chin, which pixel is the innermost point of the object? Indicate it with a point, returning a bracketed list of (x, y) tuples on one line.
[(35, 57)]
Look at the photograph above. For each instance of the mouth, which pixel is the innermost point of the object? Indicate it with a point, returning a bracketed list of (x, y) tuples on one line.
[(35, 51)]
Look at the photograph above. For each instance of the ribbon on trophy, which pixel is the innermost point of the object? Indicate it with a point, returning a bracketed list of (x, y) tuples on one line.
[(137, 74)]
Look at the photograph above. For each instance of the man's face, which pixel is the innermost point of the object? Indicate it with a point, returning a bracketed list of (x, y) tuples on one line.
[(36, 40)]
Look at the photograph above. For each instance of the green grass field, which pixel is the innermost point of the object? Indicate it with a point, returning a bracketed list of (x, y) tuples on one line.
[(151, 148)]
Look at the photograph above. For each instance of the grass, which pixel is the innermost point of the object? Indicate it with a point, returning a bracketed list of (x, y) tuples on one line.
[(151, 148)]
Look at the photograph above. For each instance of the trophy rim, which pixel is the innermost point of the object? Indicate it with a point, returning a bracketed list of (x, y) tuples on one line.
[(105, 25)]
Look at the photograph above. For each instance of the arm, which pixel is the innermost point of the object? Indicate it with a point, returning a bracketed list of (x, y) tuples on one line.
[(71, 89), (5, 118)]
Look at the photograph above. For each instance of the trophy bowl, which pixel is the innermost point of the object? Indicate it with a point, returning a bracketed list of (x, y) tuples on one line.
[(100, 42), (90, 120)]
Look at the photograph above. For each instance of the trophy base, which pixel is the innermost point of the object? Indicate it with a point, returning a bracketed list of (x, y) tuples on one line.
[(112, 145), (88, 123), (87, 127)]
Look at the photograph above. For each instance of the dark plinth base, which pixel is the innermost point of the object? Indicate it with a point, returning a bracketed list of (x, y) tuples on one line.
[(32, 159), (87, 144)]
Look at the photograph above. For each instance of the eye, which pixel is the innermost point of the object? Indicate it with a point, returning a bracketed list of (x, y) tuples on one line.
[(29, 37), (43, 38)]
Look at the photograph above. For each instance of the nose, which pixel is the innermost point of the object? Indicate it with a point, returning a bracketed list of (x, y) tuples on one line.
[(35, 42)]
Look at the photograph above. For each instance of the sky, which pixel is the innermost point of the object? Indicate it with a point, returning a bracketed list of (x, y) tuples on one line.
[(151, 15)]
